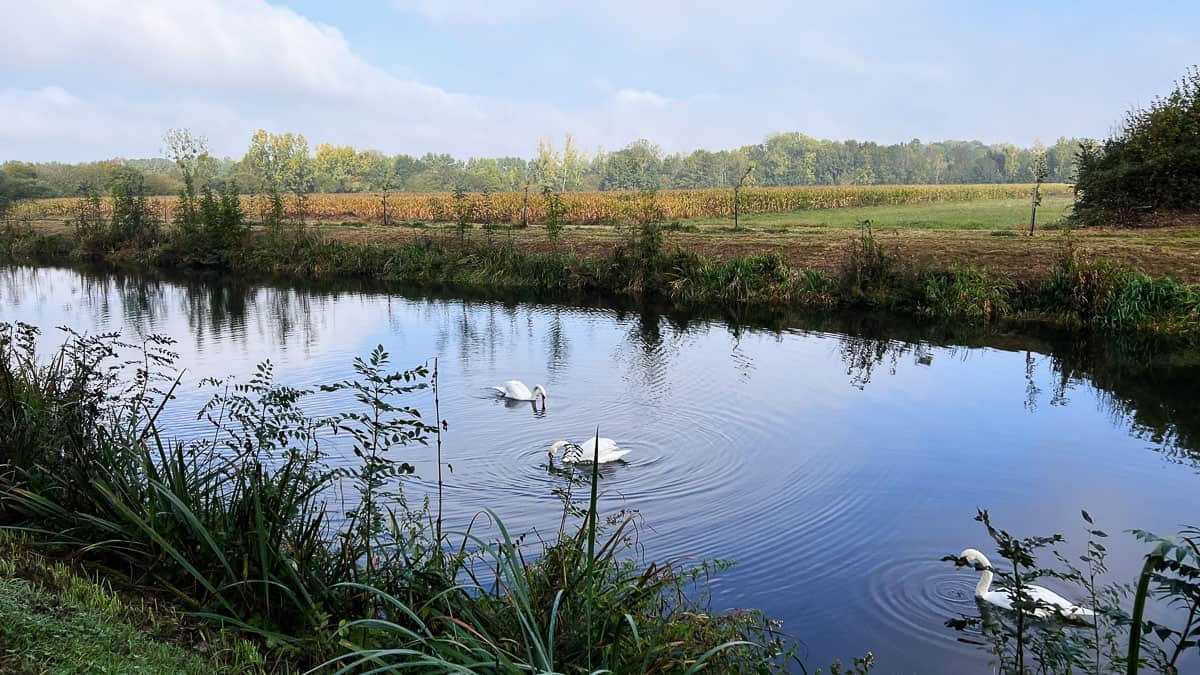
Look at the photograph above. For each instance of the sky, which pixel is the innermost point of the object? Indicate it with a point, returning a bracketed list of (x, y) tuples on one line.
[(92, 79)]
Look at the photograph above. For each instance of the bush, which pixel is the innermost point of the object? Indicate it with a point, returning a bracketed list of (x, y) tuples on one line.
[(133, 221), (210, 230), (1152, 164), (132, 224)]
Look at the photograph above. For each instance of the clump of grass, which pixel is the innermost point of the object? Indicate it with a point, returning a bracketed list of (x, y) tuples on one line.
[(1117, 297), (1005, 233), (963, 292), (763, 278), (676, 226), (868, 267)]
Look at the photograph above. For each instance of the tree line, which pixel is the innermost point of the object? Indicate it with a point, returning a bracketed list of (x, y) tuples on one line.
[(284, 162)]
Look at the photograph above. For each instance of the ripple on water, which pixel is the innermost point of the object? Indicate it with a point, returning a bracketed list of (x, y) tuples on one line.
[(915, 596)]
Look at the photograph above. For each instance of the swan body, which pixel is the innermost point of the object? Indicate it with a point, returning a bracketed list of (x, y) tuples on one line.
[(516, 390), (1049, 603), (583, 453)]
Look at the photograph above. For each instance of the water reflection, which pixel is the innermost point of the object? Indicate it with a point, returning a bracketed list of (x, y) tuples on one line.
[(1146, 384), (519, 405)]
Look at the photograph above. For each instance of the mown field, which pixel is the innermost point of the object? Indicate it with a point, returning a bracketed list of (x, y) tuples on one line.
[(595, 208), (1003, 248)]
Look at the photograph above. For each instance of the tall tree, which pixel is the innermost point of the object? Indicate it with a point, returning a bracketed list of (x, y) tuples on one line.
[(635, 167), (280, 161)]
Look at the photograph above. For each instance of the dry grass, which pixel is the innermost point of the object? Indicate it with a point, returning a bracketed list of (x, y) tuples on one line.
[(1169, 251)]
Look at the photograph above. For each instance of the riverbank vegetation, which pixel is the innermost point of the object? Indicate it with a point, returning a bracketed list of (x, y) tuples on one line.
[(647, 258), (245, 526)]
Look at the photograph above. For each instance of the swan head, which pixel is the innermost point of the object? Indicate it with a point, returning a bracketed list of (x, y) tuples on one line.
[(554, 448), (973, 558), (542, 390)]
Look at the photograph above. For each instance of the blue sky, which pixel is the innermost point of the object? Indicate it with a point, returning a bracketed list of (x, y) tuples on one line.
[(87, 79)]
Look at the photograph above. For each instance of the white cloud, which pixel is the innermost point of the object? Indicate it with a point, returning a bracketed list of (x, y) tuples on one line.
[(211, 44), (640, 97), (226, 68)]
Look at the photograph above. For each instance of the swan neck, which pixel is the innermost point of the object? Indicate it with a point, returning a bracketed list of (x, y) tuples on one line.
[(985, 582)]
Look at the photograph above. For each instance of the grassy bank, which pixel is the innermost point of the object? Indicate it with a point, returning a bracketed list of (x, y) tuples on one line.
[(57, 619), (248, 528), (863, 268)]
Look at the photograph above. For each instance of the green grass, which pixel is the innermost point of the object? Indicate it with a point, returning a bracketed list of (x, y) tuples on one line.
[(72, 624), (985, 214)]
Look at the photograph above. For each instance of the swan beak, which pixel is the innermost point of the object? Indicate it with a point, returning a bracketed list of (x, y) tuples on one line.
[(961, 562)]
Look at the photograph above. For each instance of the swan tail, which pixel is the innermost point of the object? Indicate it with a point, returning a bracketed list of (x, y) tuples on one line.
[(614, 456), (500, 389)]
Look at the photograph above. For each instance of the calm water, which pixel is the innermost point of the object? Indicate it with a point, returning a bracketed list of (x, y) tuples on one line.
[(836, 460)]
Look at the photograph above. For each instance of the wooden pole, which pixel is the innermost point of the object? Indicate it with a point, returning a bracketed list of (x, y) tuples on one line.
[(525, 208), (736, 204), (1033, 203)]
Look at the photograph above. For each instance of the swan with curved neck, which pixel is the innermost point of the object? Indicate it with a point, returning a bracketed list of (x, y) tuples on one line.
[(516, 390), (1048, 602), (584, 453)]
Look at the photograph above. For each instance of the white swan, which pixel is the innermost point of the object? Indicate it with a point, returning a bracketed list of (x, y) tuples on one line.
[(516, 390), (1049, 602), (575, 453)]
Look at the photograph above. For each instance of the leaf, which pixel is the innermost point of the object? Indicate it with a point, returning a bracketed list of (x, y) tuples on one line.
[(1087, 517)]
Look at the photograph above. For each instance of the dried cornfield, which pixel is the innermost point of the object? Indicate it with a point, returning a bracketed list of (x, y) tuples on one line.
[(587, 208)]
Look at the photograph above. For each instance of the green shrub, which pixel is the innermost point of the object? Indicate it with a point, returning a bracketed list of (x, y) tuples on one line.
[(1152, 163), (210, 230)]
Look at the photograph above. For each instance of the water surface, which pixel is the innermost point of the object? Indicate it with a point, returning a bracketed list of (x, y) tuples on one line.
[(836, 459)]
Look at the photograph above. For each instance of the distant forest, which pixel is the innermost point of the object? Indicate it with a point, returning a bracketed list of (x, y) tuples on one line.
[(285, 162)]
